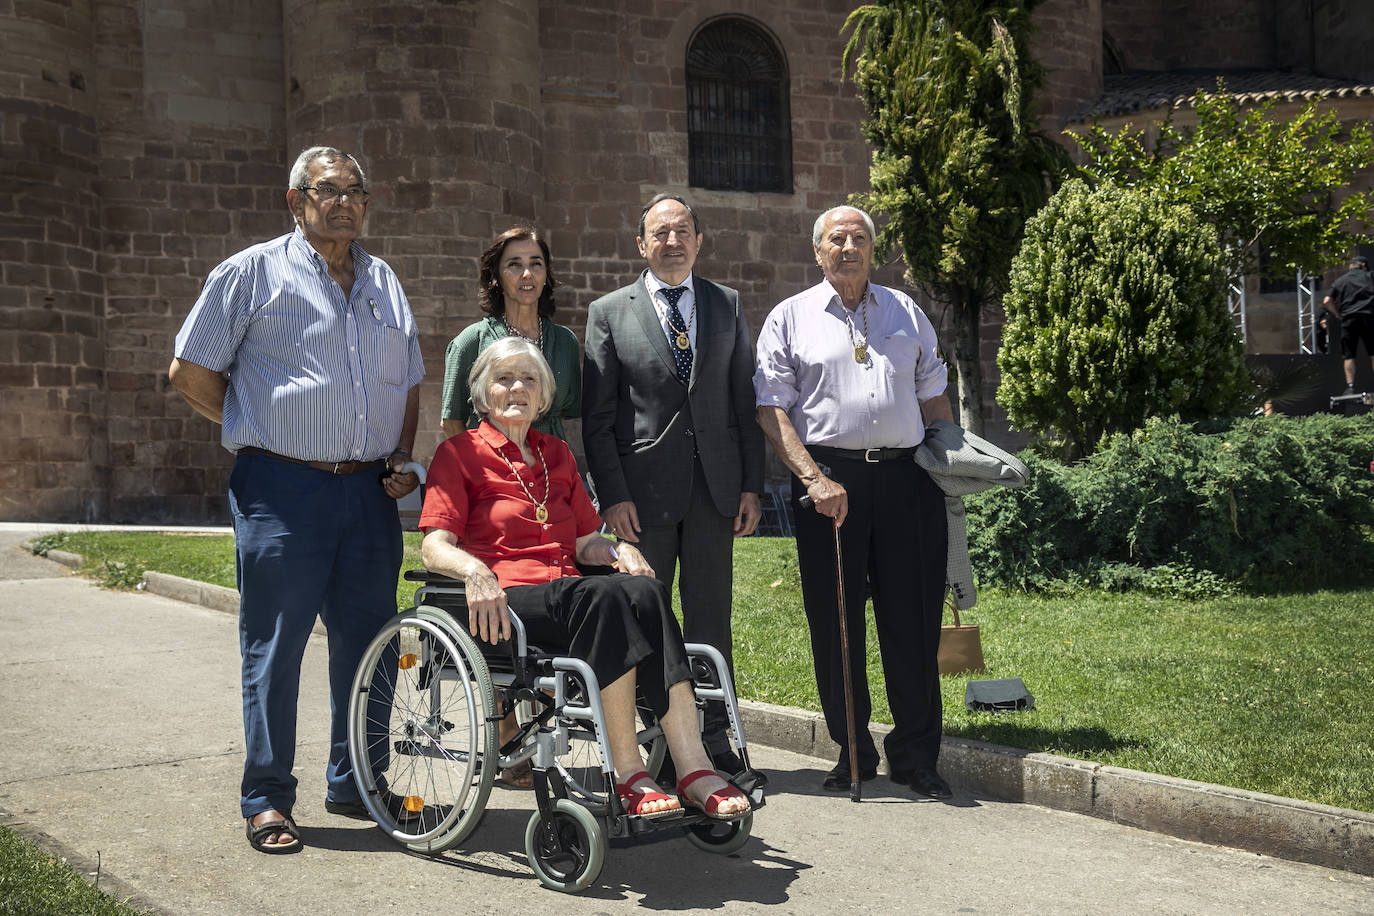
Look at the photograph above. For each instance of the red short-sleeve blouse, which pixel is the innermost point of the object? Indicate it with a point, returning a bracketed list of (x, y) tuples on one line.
[(471, 492)]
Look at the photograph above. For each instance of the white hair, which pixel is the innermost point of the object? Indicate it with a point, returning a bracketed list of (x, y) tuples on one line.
[(300, 172), (505, 348), (820, 223)]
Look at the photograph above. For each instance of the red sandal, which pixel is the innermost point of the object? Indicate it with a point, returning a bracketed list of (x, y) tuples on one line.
[(635, 800), (712, 806)]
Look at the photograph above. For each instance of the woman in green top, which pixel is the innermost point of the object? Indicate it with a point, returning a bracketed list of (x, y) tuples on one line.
[(516, 292), (517, 287)]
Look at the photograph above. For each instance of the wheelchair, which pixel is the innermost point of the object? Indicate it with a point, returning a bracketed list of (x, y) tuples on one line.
[(423, 740)]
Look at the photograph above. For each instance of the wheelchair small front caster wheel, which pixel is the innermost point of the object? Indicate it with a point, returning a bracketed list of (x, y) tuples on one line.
[(721, 837), (567, 848)]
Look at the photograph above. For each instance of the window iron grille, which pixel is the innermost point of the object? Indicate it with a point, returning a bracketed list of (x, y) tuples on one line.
[(739, 123)]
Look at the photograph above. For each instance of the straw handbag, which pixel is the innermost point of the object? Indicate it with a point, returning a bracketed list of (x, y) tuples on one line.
[(961, 646)]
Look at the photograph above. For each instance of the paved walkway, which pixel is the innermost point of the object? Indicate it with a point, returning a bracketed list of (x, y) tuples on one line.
[(121, 739)]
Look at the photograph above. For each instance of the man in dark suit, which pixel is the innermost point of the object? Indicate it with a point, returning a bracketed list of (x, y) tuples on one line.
[(668, 428)]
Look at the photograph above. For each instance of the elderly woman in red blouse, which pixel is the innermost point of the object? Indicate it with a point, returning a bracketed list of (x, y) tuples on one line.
[(506, 512)]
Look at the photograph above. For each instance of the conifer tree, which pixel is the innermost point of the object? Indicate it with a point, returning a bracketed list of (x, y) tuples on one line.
[(958, 162)]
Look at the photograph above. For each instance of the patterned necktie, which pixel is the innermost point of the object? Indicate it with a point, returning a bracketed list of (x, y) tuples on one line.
[(682, 355)]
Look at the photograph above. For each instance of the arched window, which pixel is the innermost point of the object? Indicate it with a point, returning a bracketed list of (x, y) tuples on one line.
[(739, 122)]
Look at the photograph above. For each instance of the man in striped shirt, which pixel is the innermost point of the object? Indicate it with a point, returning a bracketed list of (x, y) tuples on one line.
[(305, 351)]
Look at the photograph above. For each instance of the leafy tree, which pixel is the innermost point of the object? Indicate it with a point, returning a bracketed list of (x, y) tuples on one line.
[(1253, 177), (958, 164), (1116, 312)]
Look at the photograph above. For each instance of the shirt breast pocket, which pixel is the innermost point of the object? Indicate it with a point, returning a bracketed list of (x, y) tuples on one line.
[(901, 354), (389, 356)]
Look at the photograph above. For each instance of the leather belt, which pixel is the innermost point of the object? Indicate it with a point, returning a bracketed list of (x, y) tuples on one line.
[(869, 455), (329, 467)]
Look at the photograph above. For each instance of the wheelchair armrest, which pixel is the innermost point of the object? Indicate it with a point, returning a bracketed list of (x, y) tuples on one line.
[(450, 596), (429, 578)]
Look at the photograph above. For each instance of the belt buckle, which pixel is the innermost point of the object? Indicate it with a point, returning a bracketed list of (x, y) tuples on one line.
[(336, 466), (871, 455)]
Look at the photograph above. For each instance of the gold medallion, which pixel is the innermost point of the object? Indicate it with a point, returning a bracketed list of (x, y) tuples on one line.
[(682, 342), (861, 354), (541, 514)]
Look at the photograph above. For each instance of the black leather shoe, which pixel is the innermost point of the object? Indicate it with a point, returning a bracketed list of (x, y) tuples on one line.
[(358, 811), (726, 761), (924, 781), (837, 780)]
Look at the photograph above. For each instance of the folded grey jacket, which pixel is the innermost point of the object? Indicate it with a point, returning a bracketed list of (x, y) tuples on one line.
[(961, 463)]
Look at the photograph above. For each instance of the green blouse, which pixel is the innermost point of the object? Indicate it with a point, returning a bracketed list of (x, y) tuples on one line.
[(561, 349)]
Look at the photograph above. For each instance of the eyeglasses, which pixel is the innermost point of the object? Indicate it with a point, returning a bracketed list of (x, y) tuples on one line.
[(329, 192)]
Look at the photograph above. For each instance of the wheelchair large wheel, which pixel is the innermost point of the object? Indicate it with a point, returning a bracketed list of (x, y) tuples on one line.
[(422, 730), (567, 848), (721, 837)]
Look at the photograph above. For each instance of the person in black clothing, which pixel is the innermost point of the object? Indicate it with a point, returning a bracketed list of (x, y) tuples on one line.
[(1351, 302)]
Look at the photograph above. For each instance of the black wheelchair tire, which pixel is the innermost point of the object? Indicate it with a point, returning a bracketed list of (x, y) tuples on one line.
[(566, 849)]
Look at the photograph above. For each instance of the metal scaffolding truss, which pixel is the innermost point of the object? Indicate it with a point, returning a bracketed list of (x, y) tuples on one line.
[(1235, 305), (1307, 312), (1307, 309)]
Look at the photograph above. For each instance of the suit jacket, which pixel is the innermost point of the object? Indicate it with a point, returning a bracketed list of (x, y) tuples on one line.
[(642, 427)]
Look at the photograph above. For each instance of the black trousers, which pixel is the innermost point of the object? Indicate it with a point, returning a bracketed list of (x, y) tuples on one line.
[(700, 550), (894, 537), (614, 623)]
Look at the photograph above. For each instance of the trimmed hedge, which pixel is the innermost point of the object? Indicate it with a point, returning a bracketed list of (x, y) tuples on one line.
[(1263, 503), (1116, 312)]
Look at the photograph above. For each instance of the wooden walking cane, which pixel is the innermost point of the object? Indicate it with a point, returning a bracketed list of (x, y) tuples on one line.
[(855, 787)]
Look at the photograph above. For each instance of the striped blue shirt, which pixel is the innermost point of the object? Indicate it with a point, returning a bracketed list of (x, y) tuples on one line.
[(311, 376)]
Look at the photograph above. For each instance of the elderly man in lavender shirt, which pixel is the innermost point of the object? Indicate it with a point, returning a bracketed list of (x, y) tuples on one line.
[(847, 379), (305, 351)]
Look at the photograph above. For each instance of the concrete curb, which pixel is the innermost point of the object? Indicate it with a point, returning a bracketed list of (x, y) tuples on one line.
[(1268, 824), (70, 560), (215, 597), (90, 870), (1284, 828)]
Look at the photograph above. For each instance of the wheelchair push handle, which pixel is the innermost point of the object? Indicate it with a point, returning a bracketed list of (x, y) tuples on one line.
[(413, 467)]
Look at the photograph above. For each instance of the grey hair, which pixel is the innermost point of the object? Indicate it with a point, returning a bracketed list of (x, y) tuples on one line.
[(820, 223), (300, 172), (505, 348)]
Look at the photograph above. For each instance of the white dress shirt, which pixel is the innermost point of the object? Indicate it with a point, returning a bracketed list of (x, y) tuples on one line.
[(685, 305), (806, 366)]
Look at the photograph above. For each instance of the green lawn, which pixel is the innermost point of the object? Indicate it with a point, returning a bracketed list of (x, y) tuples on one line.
[(1268, 694), (34, 883)]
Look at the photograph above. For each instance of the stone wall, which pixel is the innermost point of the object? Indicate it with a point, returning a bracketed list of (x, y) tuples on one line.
[(1329, 38), (145, 140), (441, 103), (1173, 34), (53, 460), (1068, 44), (192, 169)]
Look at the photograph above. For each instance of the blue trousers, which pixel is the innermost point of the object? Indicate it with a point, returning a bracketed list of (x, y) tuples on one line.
[(308, 543)]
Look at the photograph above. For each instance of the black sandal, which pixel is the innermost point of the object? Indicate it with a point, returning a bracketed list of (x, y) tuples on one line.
[(258, 834)]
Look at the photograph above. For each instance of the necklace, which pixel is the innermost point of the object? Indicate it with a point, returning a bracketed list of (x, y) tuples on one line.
[(513, 331), (541, 509), (861, 343), (680, 338)]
